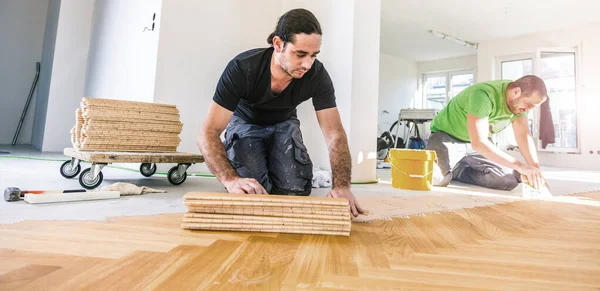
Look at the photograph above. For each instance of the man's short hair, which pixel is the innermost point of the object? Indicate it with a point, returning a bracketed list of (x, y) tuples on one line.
[(294, 22), (529, 85)]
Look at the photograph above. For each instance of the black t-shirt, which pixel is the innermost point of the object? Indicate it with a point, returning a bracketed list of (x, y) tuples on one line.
[(245, 89)]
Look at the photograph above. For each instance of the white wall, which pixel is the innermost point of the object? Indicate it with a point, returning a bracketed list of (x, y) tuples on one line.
[(22, 26), (41, 100), (122, 57), (68, 72), (350, 53), (336, 19), (451, 64), (365, 90), (588, 95), (197, 40), (398, 81)]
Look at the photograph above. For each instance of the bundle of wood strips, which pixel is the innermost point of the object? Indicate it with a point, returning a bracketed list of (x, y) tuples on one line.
[(117, 125), (267, 213)]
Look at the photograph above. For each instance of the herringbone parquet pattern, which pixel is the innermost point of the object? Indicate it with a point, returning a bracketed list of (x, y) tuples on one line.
[(526, 245)]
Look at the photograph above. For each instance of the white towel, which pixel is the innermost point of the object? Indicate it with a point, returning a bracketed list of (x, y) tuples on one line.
[(321, 178), (130, 189)]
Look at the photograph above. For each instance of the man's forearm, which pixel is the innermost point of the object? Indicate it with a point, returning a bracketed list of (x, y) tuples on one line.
[(488, 150), (215, 158), (527, 149), (341, 161)]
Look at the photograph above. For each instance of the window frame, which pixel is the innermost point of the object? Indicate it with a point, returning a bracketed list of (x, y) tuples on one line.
[(448, 75), (536, 57)]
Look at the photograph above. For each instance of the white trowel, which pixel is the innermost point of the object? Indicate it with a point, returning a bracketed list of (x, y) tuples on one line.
[(532, 193)]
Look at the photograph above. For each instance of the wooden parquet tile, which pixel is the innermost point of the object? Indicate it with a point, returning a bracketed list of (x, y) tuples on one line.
[(525, 245)]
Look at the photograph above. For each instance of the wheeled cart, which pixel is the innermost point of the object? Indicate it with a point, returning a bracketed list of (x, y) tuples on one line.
[(91, 178)]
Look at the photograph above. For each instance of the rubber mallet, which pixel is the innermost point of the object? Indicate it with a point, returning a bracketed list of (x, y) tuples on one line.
[(15, 194)]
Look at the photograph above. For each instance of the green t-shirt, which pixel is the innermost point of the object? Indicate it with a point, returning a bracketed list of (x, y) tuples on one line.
[(485, 99)]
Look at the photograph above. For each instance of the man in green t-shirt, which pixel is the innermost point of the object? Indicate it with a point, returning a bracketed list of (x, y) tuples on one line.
[(461, 134)]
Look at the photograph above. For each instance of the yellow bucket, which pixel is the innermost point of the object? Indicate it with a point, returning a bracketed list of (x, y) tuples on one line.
[(412, 169)]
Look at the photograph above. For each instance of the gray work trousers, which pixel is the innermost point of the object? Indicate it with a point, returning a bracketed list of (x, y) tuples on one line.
[(457, 161), (274, 155)]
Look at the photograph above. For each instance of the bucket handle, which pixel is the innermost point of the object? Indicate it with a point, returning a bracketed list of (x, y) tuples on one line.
[(411, 175), (389, 157)]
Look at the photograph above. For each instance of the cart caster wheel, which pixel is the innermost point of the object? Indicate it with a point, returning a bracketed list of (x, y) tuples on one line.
[(174, 176), (147, 169), (86, 181), (67, 171)]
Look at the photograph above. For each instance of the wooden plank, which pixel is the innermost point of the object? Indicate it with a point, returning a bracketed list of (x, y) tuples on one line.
[(262, 228), (11, 280), (131, 133), (248, 218), (119, 115), (131, 126), (214, 225), (93, 100), (268, 212), (147, 149), (273, 221), (266, 198), (292, 204), (154, 109)]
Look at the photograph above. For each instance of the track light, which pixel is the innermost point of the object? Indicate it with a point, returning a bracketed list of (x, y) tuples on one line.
[(461, 42)]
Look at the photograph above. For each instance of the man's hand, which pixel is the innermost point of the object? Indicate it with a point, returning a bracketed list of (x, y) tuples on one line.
[(534, 176), (342, 192), (244, 186)]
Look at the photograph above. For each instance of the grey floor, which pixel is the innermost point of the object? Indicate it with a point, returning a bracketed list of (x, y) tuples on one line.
[(44, 174)]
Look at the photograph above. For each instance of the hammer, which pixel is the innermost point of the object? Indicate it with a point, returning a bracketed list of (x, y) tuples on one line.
[(15, 194)]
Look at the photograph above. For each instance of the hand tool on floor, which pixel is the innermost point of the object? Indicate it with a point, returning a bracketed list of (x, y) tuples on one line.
[(15, 194), (530, 192), (67, 197), (49, 196)]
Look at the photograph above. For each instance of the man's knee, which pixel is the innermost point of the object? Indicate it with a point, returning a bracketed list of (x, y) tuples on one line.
[(292, 173), (509, 183), (247, 157), (290, 167), (505, 182)]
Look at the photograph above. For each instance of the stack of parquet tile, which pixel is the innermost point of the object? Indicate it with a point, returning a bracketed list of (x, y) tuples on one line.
[(117, 125), (267, 213)]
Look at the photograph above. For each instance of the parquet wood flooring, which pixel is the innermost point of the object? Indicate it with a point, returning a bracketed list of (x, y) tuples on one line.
[(524, 245)]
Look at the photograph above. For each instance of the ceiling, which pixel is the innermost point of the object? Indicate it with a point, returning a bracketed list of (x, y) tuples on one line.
[(405, 24)]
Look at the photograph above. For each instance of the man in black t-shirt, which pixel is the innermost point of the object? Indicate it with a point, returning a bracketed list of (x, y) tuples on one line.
[(255, 103)]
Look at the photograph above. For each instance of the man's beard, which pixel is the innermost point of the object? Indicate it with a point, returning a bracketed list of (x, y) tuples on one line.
[(512, 106), (282, 61)]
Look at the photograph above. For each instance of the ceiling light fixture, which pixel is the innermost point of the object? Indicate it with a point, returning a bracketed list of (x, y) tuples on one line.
[(461, 42)]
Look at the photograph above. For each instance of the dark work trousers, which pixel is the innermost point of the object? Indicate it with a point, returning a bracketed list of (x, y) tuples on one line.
[(457, 161), (274, 155)]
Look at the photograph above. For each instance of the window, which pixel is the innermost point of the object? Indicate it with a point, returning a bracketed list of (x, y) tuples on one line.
[(512, 70), (440, 88), (558, 70), (435, 92), (459, 82)]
